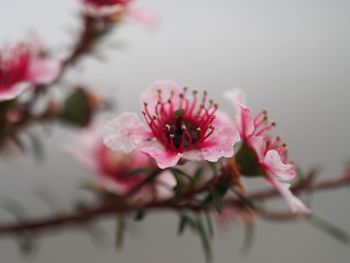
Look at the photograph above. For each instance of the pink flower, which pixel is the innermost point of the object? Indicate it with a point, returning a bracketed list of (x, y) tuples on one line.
[(117, 9), (270, 155), (179, 126), (21, 66), (113, 169)]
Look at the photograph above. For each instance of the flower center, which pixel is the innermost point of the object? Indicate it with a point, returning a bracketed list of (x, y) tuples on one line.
[(100, 3), (14, 64), (180, 122)]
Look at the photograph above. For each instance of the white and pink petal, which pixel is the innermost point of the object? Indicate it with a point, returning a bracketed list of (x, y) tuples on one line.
[(163, 157), (125, 133)]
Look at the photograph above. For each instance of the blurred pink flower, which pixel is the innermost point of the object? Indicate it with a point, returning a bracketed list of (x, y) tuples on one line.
[(21, 66), (113, 169), (271, 154), (179, 126), (119, 9)]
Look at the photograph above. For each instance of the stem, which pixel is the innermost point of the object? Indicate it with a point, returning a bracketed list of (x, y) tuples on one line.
[(77, 218)]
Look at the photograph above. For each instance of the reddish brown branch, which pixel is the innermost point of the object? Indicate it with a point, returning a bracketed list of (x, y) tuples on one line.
[(77, 218)]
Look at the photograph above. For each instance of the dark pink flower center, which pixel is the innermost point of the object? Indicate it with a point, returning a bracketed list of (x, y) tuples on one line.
[(180, 122), (14, 66), (101, 3)]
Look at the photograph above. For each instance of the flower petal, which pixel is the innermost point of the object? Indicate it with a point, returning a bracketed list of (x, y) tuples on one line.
[(295, 204), (166, 182), (193, 155), (125, 133), (244, 117), (275, 166), (14, 91), (101, 10), (44, 71), (221, 142), (144, 17), (258, 144), (163, 158)]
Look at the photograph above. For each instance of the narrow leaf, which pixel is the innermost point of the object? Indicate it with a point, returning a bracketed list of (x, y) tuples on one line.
[(204, 240), (330, 229), (249, 233), (140, 215), (209, 223), (217, 200), (120, 232)]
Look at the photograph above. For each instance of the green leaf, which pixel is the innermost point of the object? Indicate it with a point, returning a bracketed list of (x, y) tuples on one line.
[(249, 202), (96, 233), (198, 227), (27, 245), (120, 232), (204, 239), (217, 200), (179, 184), (179, 172), (209, 223), (248, 240), (5, 106), (248, 162), (186, 221), (198, 173), (38, 149), (76, 109), (330, 229), (140, 215)]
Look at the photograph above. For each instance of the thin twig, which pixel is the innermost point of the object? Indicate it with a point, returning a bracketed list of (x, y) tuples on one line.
[(77, 218)]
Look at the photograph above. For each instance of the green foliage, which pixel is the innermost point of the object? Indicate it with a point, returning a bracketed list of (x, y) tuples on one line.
[(140, 215), (330, 229), (26, 242), (76, 109), (37, 148), (248, 162), (5, 106), (120, 232), (197, 225), (217, 200), (249, 234)]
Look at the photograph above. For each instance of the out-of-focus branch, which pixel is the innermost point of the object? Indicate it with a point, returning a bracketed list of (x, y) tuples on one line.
[(77, 218)]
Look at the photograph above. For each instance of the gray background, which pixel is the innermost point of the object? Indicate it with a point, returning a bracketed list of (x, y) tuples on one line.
[(291, 57)]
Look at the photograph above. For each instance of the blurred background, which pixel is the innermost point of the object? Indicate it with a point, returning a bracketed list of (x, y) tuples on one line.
[(290, 57)]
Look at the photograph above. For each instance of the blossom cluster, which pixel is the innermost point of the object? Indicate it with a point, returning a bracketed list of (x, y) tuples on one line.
[(182, 126)]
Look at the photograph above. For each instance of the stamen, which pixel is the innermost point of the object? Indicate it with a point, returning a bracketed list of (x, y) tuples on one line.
[(205, 94), (211, 128), (266, 128)]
